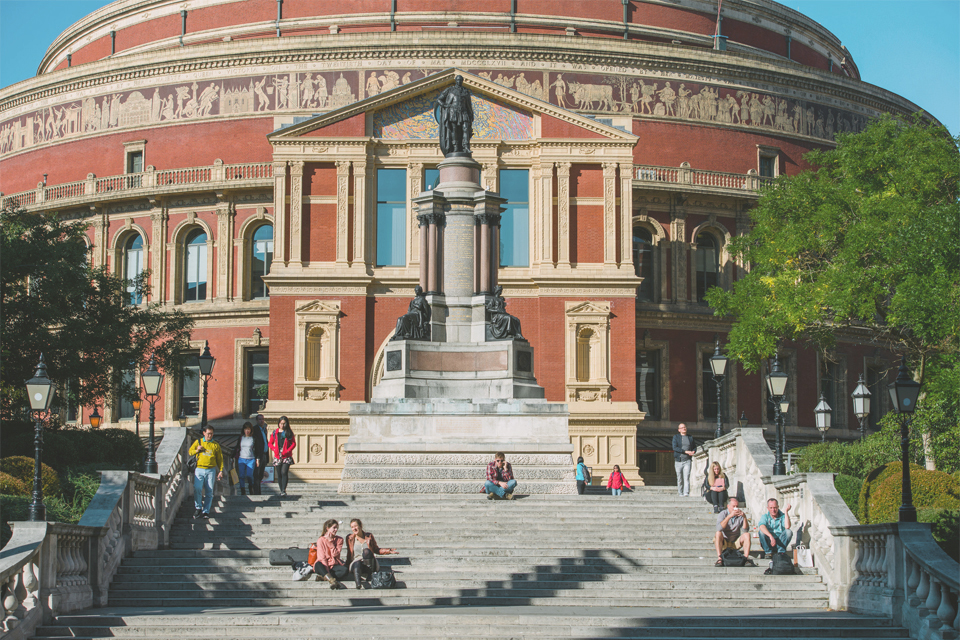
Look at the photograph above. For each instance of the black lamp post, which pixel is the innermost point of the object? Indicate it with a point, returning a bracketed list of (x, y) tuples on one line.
[(718, 362), (95, 418), (39, 391), (904, 393), (182, 418), (152, 381), (136, 411), (824, 415), (861, 405), (206, 370), (777, 387)]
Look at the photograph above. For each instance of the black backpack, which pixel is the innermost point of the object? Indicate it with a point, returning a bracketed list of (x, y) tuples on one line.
[(733, 558), (781, 565)]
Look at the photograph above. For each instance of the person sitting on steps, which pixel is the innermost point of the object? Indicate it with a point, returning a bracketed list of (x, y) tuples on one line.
[(716, 486), (500, 481), (329, 566), (733, 532), (775, 533), (362, 552)]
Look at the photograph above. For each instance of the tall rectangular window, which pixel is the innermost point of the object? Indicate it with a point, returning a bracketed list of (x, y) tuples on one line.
[(648, 383), (391, 217), (767, 166), (431, 177), (831, 375), (128, 381), (135, 162), (258, 366), (190, 387), (515, 220)]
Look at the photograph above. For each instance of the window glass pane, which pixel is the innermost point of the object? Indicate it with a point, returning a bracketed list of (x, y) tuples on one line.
[(196, 268), (135, 162), (709, 387), (391, 217), (648, 383), (515, 220), (766, 166), (133, 256), (430, 178), (260, 261), (190, 387), (257, 379), (643, 262), (707, 264), (129, 381)]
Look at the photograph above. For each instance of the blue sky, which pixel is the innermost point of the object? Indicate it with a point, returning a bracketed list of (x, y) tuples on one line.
[(910, 47)]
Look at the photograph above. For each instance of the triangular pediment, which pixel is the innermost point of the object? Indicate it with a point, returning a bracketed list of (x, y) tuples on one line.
[(406, 112), (588, 308), (319, 307)]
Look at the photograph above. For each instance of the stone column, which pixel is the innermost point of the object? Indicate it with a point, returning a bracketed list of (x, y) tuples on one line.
[(626, 215), (433, 272), (678, 232), (296, 213), (424, 233), (279, 214), (415, 181), (545, 189), (477, 232), (563, 213), (101, 227), (609, 213), (485, 255), (343, 202), (158, 235), (360, 253), (224, 244), (494, 251)]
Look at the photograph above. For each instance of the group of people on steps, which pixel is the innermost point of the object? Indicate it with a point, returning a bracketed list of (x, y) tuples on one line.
[(362, 552)]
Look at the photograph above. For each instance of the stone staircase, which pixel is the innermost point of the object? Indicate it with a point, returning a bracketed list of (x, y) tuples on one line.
[(637, 566)]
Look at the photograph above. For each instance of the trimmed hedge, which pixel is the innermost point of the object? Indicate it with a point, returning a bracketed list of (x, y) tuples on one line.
[(21, 468), (14, 509), (931, 490), (872, 481), (11, 486), (849, 489)]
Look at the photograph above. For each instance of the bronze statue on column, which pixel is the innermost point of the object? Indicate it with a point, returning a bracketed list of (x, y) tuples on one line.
[(454, 113)]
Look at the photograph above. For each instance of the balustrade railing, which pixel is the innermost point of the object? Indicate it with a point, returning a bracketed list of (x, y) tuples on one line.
[(50, 568), (893, 569), (685, 174)]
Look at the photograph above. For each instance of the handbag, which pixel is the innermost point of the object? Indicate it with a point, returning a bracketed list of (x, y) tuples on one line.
[(733, 558), (301, 571), (383, 580), (191, 462), (234, 478), (268, 474), (312, 554), (803, 557)]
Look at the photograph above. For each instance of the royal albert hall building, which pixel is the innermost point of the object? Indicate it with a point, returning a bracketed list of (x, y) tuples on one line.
[(259, 157)]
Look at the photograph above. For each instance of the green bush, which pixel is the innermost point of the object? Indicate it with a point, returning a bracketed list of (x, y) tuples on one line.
[(946, 528), (10, 486), (13, 508), (849, 489), (931, 490), (872, 481), (847, 458), (21, 468), (64, 448)]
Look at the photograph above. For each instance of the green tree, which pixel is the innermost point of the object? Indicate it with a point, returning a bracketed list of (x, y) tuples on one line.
[(865, 245), (54, 302)]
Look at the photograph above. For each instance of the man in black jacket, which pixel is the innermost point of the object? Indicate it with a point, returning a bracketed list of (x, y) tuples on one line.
[(260, 432), (684, 447)]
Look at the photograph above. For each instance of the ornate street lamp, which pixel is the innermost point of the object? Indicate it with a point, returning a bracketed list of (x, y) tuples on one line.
[(95, 418), (206, 370), (152, 380), (743, 422), (718, 362), (824, 415), (182, 418), (861, 405), (904, 393), (136, 410), (39, 391), (777, 387)]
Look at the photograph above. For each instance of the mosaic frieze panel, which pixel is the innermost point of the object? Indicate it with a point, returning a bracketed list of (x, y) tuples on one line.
[(638, 95), (414, 119)]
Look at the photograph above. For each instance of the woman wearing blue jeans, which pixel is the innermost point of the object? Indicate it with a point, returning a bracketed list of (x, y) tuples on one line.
[(209, 470)]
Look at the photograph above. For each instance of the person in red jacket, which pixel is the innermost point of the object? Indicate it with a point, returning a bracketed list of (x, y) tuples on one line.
[(282, 443), (617, 482)]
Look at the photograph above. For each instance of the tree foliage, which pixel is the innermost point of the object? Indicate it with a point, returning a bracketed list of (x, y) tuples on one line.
[(866, 243), (55, 303)]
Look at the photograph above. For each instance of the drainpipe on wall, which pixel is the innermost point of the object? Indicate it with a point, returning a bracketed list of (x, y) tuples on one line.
[(69, 60), (279, 15), (393, 15), (183, 25), (789, 42), (626, 18), (113, 42), (513, 16)]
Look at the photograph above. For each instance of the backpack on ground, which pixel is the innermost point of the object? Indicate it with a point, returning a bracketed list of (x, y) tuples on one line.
[(383, 580), (733, 558), (301, 571), (781, 565)]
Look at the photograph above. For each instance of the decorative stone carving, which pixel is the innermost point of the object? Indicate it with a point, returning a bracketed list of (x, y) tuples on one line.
[(415, 323), (317, 350), (588, 351)]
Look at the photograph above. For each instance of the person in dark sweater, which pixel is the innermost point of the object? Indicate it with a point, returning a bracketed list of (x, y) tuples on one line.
[(684, 448)]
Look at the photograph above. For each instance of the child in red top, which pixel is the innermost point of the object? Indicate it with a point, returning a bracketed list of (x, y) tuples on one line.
[(617, 482), (282, 443)]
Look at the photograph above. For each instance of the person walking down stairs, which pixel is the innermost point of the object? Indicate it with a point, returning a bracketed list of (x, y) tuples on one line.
[(209, 470), (248, 456), (282, 444), (329, 566), (583, 476), (616, 482), (684, 448)]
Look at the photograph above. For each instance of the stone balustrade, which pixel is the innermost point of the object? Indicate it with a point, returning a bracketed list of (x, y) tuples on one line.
[(894, 569), (50, 568), (150, 182), (648, 176)]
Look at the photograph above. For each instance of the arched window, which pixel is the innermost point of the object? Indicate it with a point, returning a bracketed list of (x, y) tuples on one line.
[(708, 264), (195, 273), (643, 263), (133, 267), (260, 261)]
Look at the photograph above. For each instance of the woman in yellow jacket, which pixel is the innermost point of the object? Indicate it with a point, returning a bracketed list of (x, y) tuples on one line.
[(209, 470)]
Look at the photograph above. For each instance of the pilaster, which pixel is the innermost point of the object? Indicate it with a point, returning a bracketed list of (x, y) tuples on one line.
[(545, 189), (158, 235), (563, 213), (609, 213), (361, 253), (415, 178), (279, 214), (678, 233), (100, 224), (296, 213), (224, 244), (343, 208), (626, 215)]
